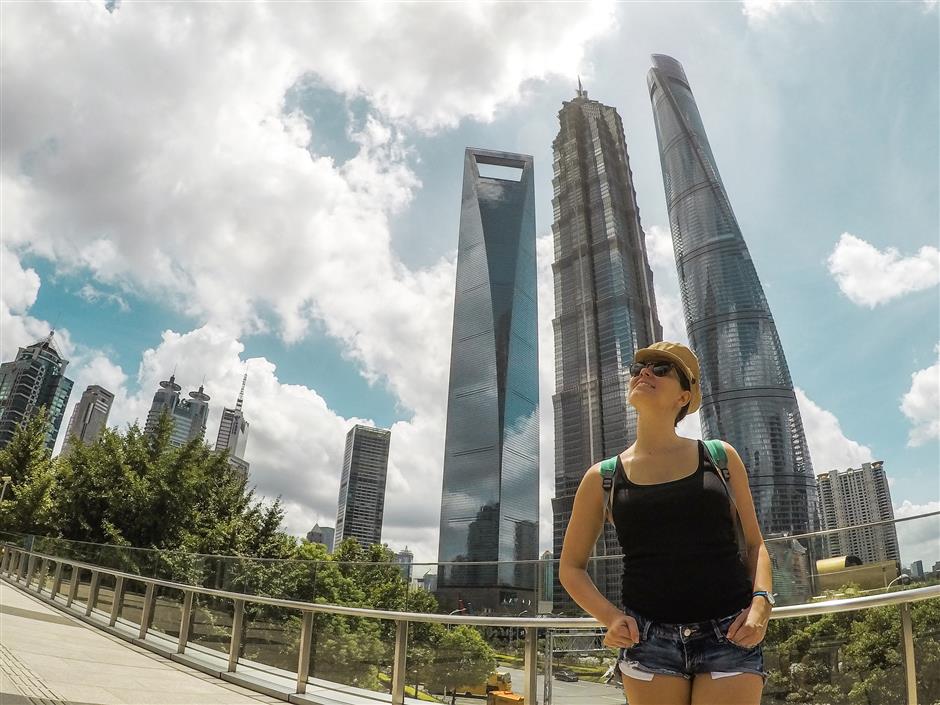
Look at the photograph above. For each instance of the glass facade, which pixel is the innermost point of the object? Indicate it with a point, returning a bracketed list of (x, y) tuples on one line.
[(188, 416), (605, 310), (490, 495), (747, 393), (89, 417), (34, 379)]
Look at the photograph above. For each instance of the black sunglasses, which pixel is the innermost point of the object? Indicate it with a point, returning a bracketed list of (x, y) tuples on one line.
[(659, 368)]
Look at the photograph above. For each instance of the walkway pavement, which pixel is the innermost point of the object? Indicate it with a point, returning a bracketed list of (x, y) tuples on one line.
[(50, 658)]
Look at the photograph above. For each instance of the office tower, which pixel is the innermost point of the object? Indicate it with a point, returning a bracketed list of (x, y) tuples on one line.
[(233, 433), (362, 486), (490, 489), (858, 496), (605, 310), (546, 583), (34, 379), (917, 570), (89, 417), (405, 559), (747, 393), (321, 534), (187, 416)]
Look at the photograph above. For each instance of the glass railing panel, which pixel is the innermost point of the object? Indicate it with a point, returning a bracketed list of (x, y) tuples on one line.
[(105, 599), (211, 625), (132, 608), (271, 636), (353, 651), (580, 666), (167, 611)]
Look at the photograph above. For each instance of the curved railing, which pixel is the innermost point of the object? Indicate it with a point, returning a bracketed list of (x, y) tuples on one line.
[(43, 574)]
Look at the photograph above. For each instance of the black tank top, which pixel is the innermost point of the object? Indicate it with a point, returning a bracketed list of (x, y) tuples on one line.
[(681, 559)]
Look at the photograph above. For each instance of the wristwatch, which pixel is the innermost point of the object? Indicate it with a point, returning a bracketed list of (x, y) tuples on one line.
[(767, 595)]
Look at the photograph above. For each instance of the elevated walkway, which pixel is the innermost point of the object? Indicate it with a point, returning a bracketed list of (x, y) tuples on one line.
[(50, 657)]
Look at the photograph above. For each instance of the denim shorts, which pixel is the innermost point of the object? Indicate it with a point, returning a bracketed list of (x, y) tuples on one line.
[(687, 649)]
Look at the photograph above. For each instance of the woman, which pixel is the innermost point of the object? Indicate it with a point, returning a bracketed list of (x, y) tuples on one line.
[(691, 626)]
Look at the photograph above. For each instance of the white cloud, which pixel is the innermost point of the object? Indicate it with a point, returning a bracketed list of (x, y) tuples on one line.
[(829, 448), (869, 276), (93, 295), (921, 404), (759, 13), (919, 539)]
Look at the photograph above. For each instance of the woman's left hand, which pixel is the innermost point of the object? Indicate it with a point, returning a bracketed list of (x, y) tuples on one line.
[(750, 627)]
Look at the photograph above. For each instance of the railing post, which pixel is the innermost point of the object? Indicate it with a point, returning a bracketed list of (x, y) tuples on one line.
[(549, 659), (73, 585), (11, 564), (5, 559), (398, 666), (236, 643), (92, 593), (303, 657), (530, 666), (907, 641), (185, 619), (56, 581), (30, 569), (118, 600), (147, 611), (41, 575), (25, 559)]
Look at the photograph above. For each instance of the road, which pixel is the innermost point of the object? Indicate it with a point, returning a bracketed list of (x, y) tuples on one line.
[(580, 693)]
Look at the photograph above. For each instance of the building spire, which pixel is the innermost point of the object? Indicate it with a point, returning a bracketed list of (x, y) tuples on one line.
[(241, 394), (581, 92)]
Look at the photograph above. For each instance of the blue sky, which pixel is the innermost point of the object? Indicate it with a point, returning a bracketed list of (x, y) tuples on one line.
[(277, 189)]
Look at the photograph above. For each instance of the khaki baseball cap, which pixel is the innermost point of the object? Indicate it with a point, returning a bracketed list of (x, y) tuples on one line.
[(683, 358)]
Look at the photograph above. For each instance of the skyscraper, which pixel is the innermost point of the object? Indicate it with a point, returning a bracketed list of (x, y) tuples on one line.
[(489, 497), (853, 497), (361, 505), (188, 416), (233, 433), (35, 378), (405, 559), (747, 393), (605, 310), (89, 417)]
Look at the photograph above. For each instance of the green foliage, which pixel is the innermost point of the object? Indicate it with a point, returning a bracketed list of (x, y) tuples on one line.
[(853, 658)]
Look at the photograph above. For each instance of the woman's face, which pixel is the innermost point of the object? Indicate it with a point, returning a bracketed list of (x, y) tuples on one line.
[(647, 390)]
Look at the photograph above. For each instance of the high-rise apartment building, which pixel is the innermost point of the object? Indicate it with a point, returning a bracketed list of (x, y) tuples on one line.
[(490, 489), (747, 392), (233, 433), (34, 379), (89, 417), (361, 505), (188, 416), (605, 310), (858, 496)]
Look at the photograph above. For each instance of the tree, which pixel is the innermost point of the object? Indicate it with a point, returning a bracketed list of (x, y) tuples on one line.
[(461, 657)]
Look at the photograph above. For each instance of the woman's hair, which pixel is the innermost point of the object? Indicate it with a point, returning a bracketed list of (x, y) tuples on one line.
[(684, 383)]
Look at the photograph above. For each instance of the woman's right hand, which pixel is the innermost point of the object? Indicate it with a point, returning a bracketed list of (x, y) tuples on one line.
[(622, 632)]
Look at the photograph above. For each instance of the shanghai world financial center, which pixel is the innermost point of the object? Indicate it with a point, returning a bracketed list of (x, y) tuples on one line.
[(605, 309)]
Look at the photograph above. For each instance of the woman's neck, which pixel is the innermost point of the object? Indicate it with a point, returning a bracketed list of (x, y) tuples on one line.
[(654, 436)]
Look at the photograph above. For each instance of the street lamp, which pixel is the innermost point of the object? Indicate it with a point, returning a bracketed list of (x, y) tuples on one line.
[(6, 481), (903, 577), (462, 609)]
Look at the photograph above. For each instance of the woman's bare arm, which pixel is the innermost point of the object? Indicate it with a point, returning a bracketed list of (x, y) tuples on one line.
[(587, 521)]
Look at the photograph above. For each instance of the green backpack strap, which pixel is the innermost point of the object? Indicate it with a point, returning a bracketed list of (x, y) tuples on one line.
[(716, 449), (608, 468), (719, 458)]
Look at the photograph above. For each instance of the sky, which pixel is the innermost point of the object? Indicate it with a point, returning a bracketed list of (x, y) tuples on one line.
[(274, 188)]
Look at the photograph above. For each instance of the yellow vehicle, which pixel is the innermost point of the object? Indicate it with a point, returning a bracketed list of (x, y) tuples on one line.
[(499, 697), (496, 681)]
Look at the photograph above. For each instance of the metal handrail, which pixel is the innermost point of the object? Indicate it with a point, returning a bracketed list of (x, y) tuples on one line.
[(18, 563), (771, 540)]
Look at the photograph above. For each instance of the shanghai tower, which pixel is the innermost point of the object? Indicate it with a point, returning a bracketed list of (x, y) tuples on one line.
[(490, 493), (747, 392), (604, 311)]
